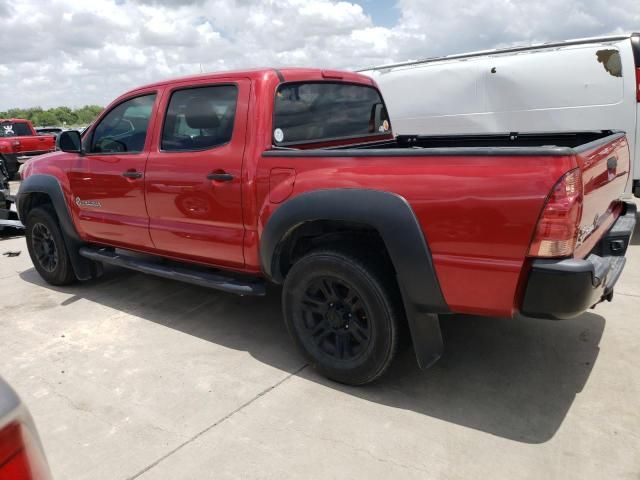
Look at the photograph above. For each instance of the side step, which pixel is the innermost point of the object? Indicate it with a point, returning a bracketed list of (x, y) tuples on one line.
[(182, 273)]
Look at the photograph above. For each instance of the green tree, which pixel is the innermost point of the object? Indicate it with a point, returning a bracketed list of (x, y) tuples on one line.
[(57, 116)]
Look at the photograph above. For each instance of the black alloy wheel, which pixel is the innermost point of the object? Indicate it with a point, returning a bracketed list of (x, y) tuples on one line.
[(344, 314), (335, 318), (44, 247)]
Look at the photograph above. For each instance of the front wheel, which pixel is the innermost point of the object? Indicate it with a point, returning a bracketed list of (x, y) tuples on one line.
[(46, 247), (343, 315)]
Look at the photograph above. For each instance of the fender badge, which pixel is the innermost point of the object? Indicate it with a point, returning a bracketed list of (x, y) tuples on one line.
[(87, 203)]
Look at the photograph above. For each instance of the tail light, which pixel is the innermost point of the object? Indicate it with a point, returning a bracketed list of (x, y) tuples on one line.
[(21, 455), (638, 84), (557, 228), (14, 462)]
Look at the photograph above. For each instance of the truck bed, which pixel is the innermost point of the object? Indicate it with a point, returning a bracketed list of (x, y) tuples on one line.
[(476, 204)]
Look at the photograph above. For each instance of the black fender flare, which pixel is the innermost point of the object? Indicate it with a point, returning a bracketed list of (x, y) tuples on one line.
[(50, 186), (394, 219)]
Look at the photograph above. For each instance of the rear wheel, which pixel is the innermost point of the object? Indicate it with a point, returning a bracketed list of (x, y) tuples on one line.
[(342, 315), (46, 247)]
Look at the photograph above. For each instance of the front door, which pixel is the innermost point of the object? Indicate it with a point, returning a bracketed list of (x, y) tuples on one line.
[(193, 175), (109, 193)]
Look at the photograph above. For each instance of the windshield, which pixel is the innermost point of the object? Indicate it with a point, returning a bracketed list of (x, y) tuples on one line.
[(322, 111), (14, 129)]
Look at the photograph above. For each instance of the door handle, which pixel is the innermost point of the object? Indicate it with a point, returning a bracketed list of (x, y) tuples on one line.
[(132, 174), (220, 176)]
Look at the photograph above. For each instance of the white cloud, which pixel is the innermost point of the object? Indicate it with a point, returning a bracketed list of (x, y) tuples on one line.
[(74, 52)]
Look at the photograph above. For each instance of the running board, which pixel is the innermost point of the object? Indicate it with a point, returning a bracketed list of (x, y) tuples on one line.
[(195, 276)]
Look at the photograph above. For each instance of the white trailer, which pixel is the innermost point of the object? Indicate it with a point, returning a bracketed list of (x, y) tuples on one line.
[(585, 84)]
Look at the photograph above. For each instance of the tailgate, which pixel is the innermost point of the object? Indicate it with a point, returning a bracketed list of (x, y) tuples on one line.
[(35, 143), (605, 169)]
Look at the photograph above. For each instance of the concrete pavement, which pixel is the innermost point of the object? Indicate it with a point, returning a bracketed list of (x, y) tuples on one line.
[(132, 376)]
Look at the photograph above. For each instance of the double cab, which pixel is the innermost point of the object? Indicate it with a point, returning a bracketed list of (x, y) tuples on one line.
[(294, 177)]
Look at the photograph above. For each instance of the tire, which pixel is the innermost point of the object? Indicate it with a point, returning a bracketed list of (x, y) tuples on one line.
[(46, 247), (343, 316)]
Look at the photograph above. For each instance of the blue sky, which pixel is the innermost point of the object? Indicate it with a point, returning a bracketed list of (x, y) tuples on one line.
[(79, 52), (383, 13)]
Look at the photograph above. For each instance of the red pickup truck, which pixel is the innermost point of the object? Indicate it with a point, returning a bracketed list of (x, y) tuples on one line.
[(19, 141), (294, 177)]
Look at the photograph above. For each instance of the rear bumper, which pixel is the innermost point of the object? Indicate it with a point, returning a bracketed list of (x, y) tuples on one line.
[(560, 289)]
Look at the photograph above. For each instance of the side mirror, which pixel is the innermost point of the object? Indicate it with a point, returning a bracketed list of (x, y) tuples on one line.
[(69, 141)]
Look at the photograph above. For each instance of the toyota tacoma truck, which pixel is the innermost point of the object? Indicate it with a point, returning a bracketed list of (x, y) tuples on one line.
[(19, 141), (294, 177)]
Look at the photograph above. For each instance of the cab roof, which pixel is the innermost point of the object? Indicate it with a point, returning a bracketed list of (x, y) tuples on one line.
[(289, 74)]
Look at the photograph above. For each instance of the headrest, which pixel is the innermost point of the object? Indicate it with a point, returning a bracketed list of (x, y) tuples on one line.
[(200, 114)]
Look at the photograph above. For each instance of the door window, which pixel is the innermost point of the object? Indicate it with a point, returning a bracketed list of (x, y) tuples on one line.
[(124, 129), (199, 118)]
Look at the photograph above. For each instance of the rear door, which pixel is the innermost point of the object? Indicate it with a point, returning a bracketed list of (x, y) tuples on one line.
[(108, 185), (193, 176)]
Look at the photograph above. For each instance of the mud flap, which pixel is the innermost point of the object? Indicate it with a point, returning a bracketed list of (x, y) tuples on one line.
[(425, 335)]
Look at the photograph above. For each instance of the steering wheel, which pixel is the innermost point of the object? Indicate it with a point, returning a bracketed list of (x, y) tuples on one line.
[(111, 145)]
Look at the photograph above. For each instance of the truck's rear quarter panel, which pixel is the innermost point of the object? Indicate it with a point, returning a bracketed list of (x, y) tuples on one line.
[(477, 213)]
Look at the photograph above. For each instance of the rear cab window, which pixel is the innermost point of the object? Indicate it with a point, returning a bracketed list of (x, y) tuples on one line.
[(317, 112), (15, 129)]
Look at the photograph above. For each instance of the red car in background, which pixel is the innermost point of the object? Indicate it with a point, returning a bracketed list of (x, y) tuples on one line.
[(19, 141)]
